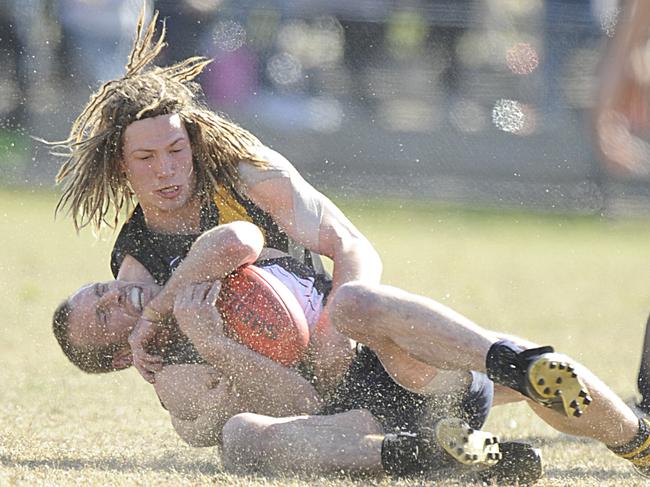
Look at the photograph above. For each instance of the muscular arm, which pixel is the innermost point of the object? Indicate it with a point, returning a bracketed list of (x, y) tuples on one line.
[(215, 253), (268, 385), (264, 385), (312, 220)]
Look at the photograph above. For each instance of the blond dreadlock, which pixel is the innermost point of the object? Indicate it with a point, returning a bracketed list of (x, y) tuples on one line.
[(94, 184)]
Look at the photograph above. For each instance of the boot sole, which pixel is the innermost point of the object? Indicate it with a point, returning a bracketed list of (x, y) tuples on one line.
[(466, 445), (556, 385)]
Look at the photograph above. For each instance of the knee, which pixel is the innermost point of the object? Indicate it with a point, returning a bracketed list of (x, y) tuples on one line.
[(243, 443), (354, 307)]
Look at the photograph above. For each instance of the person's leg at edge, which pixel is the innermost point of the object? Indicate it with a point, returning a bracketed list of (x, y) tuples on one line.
[(383, 316), (643, 380)]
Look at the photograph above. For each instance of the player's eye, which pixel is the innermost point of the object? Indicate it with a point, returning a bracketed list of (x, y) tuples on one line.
[(100, 289), (102, 315)]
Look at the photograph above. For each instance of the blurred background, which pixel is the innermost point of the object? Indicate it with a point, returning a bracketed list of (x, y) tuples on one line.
[(411, 114), (480, 102)]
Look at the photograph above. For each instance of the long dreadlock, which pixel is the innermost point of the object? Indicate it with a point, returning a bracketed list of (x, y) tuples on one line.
[(94, 183)]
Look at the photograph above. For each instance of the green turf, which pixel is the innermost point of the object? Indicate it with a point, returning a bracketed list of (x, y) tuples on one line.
[(580, 283)]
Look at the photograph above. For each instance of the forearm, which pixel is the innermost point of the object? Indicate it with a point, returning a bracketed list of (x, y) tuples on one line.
[(355, 259), (214, 255), (331, 352), (272, 388)]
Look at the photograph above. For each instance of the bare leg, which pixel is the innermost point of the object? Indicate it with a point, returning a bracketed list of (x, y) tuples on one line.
[(388, 319), (423, 328), (349, 441), (608, 419)]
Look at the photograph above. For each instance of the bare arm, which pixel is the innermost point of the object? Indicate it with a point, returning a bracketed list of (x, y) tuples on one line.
[(261, 385), (215, 254), (312, 220)]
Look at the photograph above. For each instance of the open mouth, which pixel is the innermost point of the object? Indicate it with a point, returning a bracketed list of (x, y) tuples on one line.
[(169, 191), (136, 298)]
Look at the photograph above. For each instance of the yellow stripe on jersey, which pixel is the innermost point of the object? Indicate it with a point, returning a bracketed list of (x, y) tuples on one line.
[(230, 209)]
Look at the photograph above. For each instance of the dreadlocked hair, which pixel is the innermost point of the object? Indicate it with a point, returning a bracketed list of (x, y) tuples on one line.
[(94, 183)]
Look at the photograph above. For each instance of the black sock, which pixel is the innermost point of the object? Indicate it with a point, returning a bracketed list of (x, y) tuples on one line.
[(400, 454), (404, 454), (506, 363), (638, 450), (477, 401)]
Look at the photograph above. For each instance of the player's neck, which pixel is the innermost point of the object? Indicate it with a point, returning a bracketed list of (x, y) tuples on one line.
[(182, 221)]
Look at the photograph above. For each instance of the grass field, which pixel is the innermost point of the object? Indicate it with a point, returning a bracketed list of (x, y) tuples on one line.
[(581, 283)]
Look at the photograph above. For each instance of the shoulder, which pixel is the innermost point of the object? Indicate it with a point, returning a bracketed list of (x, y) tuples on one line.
[(276, 166)]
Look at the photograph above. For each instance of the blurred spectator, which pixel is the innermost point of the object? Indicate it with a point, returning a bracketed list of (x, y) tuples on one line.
[(96, 36), (13, 78), (188, 20), (569, 27), (621, 115)]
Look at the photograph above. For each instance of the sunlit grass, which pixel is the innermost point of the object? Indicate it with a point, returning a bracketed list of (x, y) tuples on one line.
[(580, 283)]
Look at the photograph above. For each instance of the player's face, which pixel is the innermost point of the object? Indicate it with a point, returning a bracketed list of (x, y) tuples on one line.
[(158, 163), (104, 313)]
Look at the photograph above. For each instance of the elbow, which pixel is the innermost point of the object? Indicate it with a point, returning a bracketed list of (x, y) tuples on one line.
[(235, 243), (244, 242)]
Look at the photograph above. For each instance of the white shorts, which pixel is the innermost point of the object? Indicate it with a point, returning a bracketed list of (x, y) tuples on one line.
[(303, 288)]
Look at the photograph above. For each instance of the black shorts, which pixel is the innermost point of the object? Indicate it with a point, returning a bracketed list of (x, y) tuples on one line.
[(367, 385)]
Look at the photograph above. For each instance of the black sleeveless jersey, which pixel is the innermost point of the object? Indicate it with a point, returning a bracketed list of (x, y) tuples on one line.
[(161, 253)]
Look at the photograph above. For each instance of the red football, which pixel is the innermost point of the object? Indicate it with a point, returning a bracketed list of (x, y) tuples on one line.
[(259, 311)]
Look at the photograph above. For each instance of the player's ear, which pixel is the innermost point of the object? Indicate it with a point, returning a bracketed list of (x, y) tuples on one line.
[(122, 359)]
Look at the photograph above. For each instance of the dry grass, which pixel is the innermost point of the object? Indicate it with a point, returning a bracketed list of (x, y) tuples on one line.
[(579, 283)]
